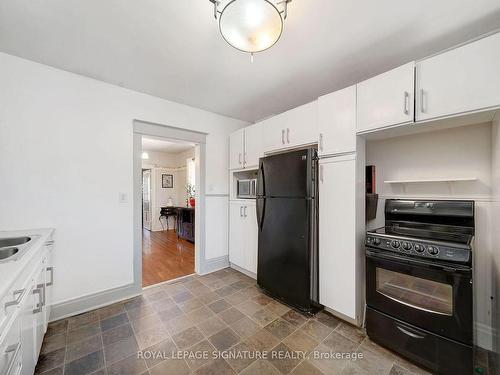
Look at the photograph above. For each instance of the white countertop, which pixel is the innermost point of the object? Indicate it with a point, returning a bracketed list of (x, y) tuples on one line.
[(10, 270)]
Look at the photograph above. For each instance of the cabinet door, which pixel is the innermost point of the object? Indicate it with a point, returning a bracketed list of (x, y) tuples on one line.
[(337, 235), (337, 122), (254, 148), (251, 238), (302, 125), (274, 130), (461, 80), (28, 329), (387, 99), (236, 234), (236, 142), (39, 310)]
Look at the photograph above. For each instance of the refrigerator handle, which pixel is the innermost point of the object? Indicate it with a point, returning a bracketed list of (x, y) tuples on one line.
[(260, 207), (260, 181)]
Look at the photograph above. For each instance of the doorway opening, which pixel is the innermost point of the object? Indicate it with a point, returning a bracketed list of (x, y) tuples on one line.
[(168, 209)]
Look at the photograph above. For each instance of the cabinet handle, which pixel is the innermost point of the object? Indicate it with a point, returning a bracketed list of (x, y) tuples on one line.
[(51, 270), (38, 291), (17, 299), (283, 136), (245, 211), (49, 243), (406, 103), (14, 348), (321, 173), (241, 211), (288, 135), (239, 158), (422, 97), (244, 158), (321, 141)]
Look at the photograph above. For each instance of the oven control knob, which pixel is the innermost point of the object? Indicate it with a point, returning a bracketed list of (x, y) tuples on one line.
[(395, 244), (406, 245), (368, 240), (376, 241), (433, 250), (419, 248)]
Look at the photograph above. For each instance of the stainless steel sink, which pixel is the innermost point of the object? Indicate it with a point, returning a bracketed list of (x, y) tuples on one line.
[(7, 252), (13, 241)]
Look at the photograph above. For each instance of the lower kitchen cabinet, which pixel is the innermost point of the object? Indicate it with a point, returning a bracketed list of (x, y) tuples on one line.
[(341, 227), (243, 235), (27, 308)]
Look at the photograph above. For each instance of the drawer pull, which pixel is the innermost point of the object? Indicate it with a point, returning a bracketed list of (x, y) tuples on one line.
[(408, 333), (49, 243), (51, 270), (14, 348), (17, 299), (40, 291)]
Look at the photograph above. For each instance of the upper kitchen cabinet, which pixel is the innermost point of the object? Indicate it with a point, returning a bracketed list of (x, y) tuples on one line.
[(386, 100), (296, 127), (236, 149), (245, 147), (337, 122), (463, 79), (253, 146)]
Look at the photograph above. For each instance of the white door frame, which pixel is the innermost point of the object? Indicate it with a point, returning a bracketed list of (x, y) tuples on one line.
[(144, 128)]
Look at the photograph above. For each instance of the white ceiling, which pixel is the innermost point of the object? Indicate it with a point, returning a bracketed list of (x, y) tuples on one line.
[(172, 48), (161, 145)]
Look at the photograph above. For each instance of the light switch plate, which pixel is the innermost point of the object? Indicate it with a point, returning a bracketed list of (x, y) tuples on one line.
[(122, 197)]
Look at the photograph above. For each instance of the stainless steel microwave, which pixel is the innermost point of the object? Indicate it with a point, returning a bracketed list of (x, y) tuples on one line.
[(247, 189)]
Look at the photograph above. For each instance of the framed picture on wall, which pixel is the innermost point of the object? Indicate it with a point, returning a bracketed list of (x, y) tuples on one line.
[(167, 181)]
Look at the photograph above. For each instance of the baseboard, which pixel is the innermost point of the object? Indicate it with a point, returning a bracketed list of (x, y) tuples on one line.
[(215, 264), (244, 271), (92, 301), (484, 336)]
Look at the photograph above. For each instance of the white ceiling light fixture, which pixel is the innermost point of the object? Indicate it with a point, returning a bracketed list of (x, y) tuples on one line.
[(251, 25)]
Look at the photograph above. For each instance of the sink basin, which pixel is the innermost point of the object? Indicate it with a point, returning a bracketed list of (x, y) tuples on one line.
[(13, 241), (7, 252)]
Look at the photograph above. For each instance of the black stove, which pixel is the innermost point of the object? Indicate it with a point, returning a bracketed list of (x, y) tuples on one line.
[(419, 283)]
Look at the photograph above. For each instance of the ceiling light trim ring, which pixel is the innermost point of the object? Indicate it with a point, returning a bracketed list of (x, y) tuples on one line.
[(262, 50), (283, 13)]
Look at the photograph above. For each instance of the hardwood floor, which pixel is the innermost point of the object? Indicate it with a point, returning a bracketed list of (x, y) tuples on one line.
[(164, 257)]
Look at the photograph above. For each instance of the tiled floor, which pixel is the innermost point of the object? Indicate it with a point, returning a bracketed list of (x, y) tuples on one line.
[(204, 316)]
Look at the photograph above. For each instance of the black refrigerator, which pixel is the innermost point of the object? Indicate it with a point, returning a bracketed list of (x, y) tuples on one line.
[(287, 219)]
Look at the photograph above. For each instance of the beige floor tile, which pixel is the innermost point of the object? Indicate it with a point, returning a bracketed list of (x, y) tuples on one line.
[(316, 329), (262, 340), (299, 340), (261, 367)]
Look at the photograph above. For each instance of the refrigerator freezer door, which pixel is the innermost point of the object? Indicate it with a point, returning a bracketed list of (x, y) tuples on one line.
[(284, 242), (287, 175)]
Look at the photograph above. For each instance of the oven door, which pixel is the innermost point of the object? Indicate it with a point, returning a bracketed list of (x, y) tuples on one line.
[(434, 297)]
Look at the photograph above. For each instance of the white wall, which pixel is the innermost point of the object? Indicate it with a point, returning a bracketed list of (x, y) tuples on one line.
[(452, 153), (66, 151)]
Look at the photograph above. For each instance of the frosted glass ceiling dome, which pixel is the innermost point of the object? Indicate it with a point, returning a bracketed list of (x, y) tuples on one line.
[(251, 25)]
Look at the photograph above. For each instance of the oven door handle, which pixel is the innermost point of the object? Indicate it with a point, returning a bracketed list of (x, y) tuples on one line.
[(408, 333), (418, 262)]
